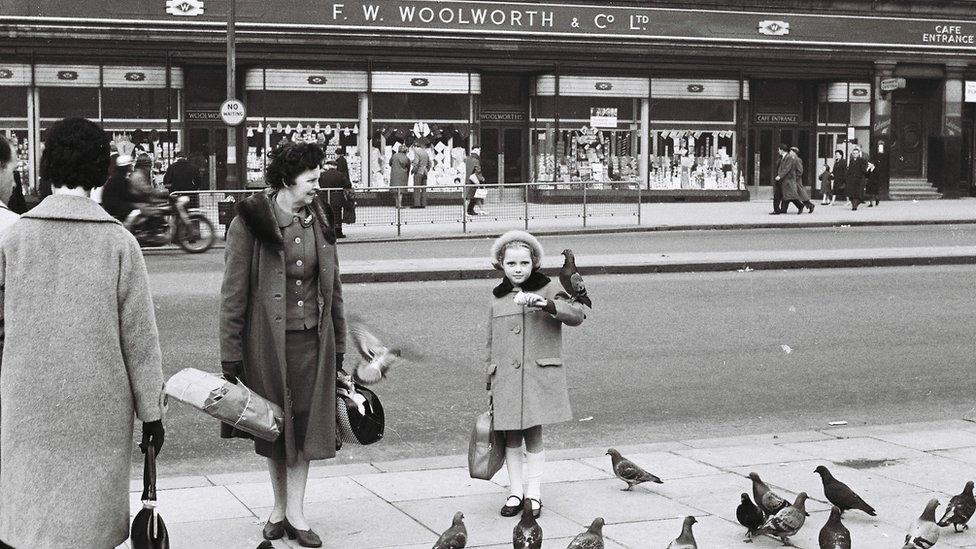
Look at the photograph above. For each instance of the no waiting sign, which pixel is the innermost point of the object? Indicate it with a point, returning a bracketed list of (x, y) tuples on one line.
[(233, 112)]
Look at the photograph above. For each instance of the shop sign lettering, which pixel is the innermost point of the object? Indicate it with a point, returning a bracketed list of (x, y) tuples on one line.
[(498, 116), (603, 117), (232, 112), (203, 115), (185, 8), (774, 28), (949, 34), (769, 118)]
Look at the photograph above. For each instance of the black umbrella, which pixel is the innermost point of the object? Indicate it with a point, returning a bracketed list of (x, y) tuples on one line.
[(148, 528)]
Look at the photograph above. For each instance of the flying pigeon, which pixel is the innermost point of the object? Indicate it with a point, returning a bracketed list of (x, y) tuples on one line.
[(527, 533), (630, 472), (840, 494), (834, 535), (687, 538), (592, 538), (788, 521), (455, 537), (572, 281), (750, 516), (960, 509), (766, 499), (377, 358), (924, 532)]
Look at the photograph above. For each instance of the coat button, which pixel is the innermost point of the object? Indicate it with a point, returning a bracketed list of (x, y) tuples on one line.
[(298, 240), (298, 282), (277, 296), (517, 364), (517, 329), (299, 263), (301, 303)]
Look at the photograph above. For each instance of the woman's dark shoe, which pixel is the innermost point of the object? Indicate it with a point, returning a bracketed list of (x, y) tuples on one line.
[(512, 510), (274, 530), (536, 507), (809, 207), (306, 538), (876, 202)]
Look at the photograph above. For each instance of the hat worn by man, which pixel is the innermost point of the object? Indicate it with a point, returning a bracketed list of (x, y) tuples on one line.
[(501, 243)]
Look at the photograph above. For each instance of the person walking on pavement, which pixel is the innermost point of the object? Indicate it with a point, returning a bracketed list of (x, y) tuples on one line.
[(81, 356), (872, 186), (826, 189), (182, 176), (839, 174), (801, 189), (282, 327), (8, 184), (786, 177), (856, 174), (472, 173), (420, 165), (337, 183), (778, 184), (525, 370), (399, 171)]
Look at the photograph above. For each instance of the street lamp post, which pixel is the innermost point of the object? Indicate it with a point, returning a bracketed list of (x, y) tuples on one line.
[(231, 181)]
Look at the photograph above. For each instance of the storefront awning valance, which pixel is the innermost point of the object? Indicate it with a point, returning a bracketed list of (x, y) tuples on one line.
[(108, 76), (15, 75), (427, 82), (592, 86), (692, 88), (845, 92), (305, 80)]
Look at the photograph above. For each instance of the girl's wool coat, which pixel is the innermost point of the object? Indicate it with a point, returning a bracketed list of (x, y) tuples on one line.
[(525, 366), (80, 356), (252, 322)]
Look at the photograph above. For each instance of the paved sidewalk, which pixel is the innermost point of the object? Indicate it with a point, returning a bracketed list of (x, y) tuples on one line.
[(406, 504)]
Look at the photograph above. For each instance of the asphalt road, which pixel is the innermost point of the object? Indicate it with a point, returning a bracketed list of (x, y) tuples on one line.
[(661, 357)]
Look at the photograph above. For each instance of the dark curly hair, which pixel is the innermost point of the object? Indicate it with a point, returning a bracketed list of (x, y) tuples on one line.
[(291, 159), (6, 151), (76, 154)]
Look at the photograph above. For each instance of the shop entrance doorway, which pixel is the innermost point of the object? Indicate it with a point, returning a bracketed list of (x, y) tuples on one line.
[(908, 123), (764, 156), (206, 148), (502, 154)]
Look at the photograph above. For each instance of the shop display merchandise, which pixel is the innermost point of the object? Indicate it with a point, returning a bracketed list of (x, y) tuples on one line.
[(693, 159)]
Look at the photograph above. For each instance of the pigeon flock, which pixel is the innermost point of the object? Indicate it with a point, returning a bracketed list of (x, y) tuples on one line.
[(767, 513)]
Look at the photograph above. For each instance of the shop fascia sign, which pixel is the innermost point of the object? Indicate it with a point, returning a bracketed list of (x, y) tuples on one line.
[(970, 96), (603, 117), (502, 116), (776, 118), (892, 84), (185, 8)]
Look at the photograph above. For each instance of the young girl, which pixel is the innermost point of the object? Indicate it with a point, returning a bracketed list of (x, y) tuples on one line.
[(525, 367), (825, 185)]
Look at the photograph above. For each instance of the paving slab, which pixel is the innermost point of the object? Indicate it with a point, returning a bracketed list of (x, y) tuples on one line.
[(967, 455), (665, 465), (934, 473), (588, 452), (171, 483), (240, 533), (363, 524), (733, 456), (421, 464), (709, 531), (564, 470), (194, 505), (549, 542), (435, 483), (713, 494), (871, 430), (771, 438), (927, 441), (481, 517), (583, 501), (855, 449), (317, 490)]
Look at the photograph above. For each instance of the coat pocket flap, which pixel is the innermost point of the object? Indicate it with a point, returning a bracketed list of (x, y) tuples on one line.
[(544, 362)]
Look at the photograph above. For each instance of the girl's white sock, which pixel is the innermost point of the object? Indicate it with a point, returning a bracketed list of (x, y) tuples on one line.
[(513, 461), (535, 462)]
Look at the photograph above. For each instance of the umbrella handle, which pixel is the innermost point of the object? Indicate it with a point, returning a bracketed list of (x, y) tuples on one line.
[(149, 474)]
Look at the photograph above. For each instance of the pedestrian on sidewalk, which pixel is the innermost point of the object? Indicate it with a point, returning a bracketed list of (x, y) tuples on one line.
[(420, 166), (801, 189), (9, 184), (80, 357), (526, 375), (337, 184), (786, 174), (399, 171), (473, 178), (778, 185), (826, 189), (282, 329), (839, 174), (856, 175), (872, 186)]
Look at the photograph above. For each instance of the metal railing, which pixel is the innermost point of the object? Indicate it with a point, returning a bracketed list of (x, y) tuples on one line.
[(511, 205)]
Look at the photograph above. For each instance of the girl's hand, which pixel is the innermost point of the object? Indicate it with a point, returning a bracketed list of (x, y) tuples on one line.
[(535, 300)]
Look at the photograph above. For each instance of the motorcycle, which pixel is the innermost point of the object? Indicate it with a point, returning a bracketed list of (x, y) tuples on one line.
[(172, 222)]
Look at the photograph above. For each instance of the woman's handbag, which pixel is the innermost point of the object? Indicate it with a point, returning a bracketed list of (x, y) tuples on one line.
[(359, 416), (148, 528), (349, 212), (234, 404), (486, 450)]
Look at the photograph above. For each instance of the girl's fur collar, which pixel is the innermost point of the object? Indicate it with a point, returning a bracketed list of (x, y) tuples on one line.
[(257, 213), (536, 282)]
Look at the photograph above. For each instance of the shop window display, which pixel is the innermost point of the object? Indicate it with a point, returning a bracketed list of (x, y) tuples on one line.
[(444, 142), (843, 119), (693, 159)]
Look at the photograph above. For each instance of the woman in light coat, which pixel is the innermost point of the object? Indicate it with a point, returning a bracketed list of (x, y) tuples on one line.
[(282, 329), (80, 356), (525, 368)]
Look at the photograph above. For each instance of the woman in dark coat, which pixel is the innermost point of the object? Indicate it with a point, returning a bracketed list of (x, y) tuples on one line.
[(282, 329), (856, 175), (839, 174)]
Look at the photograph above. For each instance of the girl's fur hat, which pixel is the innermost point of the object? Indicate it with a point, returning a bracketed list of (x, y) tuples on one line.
[(498, 248)]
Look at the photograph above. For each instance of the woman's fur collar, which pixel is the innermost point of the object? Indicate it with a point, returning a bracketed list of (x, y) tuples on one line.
[(536, 282), (257, 213)]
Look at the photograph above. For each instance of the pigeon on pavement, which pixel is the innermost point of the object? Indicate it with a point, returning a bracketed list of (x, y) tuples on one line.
[(592, 538), (572, 280), (630, 472), (788, 521), (687, 538), (265, 545), (750, 516), (527, 533), (924, 532), (377, 359), (960, 509), (840, 494), (455, 537), (766, 499), (834, 535)]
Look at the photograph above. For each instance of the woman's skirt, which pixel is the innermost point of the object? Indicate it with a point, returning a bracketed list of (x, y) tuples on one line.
[(301, 359)]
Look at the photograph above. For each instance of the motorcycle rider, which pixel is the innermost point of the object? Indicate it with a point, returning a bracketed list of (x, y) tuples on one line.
[(128, 196)]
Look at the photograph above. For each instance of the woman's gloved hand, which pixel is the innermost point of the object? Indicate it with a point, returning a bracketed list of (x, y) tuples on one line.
[(339, 358), (232, 370), (154, 434)]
